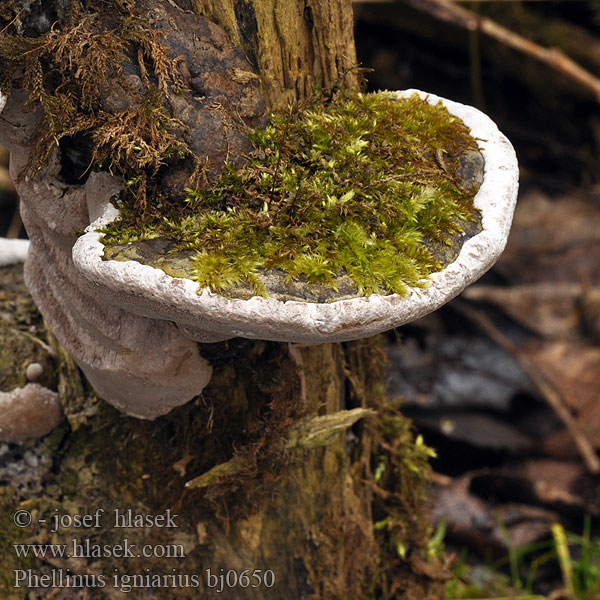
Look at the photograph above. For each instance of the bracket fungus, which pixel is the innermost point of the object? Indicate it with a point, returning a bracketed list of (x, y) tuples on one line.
[(142, 366), (205, 316), (133, 328)]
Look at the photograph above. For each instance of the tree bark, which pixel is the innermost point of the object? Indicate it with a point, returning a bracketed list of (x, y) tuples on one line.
[(297, 47), (268, 470)]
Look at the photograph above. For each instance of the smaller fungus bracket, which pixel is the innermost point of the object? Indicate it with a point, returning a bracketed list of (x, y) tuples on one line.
[(28, 413), (206, 316), (143, 367)]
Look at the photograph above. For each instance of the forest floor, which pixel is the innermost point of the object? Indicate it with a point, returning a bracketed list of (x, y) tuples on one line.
[(504, 382)]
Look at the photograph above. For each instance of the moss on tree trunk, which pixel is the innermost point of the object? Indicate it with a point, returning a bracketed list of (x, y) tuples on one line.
[(267, 471)]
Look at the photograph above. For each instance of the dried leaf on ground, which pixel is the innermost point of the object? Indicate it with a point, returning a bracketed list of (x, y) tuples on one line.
[(562, 486), (552, 240), (573, 370), (471, 520), (478, 430), (454, 371)]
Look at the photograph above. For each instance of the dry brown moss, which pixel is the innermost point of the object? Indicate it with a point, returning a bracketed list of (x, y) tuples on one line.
[(70, 69)]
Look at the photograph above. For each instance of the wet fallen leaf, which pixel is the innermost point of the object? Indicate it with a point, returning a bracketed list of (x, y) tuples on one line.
[(523, 525), (573, 370), (562, 486), (472, 521), (478, 430), (454, 371)]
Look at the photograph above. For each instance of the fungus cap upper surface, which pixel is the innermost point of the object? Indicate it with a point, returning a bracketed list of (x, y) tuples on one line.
[(206, 316)]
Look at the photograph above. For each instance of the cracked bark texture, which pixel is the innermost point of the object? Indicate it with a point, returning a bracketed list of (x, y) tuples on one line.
[(297, 47)]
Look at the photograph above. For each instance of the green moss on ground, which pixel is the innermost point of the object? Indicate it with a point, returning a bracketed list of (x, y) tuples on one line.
[(365, 186)]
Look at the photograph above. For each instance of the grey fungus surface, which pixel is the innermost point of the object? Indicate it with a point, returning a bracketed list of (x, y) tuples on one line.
[(142, 366), (208, 317)]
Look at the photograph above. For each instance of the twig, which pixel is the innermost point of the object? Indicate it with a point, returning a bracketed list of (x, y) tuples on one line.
[(48, 43), (446, 10), (475, 58), (546, 389), (15, 18), (440, 479), (307, 434)]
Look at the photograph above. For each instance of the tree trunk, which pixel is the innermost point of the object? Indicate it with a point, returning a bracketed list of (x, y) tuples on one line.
[(279, 470), (297, 47)]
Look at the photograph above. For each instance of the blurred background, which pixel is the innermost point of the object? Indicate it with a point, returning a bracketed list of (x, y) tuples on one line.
[(10, 222), (504, 382)]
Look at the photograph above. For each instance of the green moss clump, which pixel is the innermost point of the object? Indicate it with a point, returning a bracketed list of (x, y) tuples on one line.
[(360, 186)]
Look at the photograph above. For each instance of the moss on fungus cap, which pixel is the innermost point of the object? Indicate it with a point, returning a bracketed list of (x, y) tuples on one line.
[(209, 317)]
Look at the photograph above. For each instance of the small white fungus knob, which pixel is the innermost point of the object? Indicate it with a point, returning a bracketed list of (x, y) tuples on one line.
[(34, 371)]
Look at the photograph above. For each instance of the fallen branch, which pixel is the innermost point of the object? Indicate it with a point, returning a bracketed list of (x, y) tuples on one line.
[(13, 251), (448, 11)]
